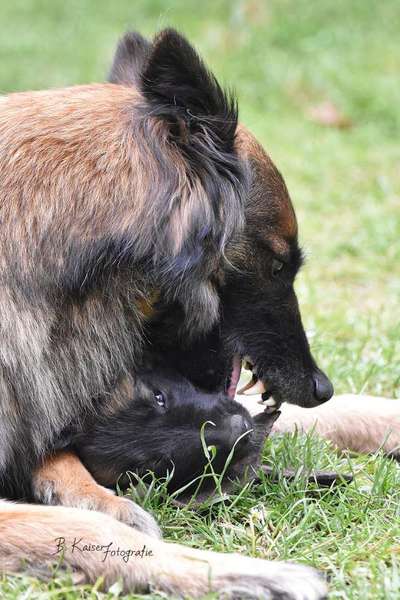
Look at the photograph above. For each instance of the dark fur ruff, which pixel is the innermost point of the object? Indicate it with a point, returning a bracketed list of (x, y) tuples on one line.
[(107, 193)]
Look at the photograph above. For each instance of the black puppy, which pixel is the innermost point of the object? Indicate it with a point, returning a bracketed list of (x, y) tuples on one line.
[(158, 428)]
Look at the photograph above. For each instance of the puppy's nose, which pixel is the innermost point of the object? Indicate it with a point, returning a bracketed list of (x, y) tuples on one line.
[(238, 426), (323, 389)]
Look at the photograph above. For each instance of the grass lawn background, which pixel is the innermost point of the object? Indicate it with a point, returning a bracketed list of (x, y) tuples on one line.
[(283, 57)]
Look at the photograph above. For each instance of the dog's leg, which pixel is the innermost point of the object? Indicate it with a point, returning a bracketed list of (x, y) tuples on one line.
[(359, 423), (62, 479), (97, 545)]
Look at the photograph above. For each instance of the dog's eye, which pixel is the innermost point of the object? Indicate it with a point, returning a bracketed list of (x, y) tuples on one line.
[(277, 266), (160, 398)]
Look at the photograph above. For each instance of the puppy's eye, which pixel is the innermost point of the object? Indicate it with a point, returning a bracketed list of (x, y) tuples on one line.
[(160, 398), (277, 266)]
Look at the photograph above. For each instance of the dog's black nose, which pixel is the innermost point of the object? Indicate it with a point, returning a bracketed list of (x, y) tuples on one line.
[(323, 389), (238, 426)]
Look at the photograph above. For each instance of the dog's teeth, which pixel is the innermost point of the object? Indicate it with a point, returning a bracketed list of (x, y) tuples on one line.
[(270, 402), (257, 388), (247, 364), (247, 386)]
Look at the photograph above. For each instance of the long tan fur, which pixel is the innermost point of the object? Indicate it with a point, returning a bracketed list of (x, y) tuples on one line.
[(354, 422), (34, 538)]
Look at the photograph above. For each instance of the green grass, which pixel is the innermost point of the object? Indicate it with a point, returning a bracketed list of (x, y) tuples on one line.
[(282, 57)]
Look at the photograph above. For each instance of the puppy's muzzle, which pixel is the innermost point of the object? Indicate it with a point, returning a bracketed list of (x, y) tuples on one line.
[(238, 426)]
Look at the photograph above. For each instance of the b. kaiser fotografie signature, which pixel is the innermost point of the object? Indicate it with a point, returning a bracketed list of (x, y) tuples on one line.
[(106, 550)]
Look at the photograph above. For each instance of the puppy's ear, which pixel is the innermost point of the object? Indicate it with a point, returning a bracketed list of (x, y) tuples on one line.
[(178, 87), (129, 60), (264, 421)]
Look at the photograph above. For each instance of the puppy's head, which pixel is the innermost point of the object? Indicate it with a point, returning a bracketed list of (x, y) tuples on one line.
[(157, 427)]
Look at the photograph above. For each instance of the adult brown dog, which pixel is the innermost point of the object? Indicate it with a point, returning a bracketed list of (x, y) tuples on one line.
[(112, 196)]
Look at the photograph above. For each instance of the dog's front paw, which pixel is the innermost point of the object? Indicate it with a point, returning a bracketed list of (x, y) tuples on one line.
[(132, 514), (63, 480), (96, 497), (279, 581), (235, 577)]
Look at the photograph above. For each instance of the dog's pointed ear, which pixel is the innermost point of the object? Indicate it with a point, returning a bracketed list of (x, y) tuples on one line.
[(130, 57), (179, 88)]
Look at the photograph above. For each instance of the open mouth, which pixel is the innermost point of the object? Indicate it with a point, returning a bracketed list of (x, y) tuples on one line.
[(255, 386)]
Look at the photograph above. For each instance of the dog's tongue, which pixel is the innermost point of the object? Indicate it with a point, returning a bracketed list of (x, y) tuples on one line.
[(235, 376)]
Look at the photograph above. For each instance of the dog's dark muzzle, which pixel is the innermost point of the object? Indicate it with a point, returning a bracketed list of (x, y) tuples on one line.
[(308, 389)]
